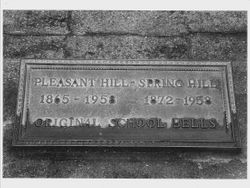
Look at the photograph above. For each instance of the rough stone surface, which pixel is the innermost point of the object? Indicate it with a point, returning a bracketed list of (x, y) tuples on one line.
[(172, 35), (220, 47), (214, 47), (217, 21), (33, 47), (127, 47), (240, 77), (35, 22), (10, 88), (241, 105), (157, 23)]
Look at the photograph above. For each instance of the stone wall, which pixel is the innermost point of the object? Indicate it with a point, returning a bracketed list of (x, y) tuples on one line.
[(161, 35)]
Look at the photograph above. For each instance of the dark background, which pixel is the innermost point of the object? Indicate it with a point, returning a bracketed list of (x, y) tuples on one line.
[(160, 35)]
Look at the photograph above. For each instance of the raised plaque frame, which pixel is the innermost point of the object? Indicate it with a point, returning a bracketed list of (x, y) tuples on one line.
[(22, 102)]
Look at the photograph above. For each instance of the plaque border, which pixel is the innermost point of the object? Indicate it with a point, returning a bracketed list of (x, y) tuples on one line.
[(18, 128)]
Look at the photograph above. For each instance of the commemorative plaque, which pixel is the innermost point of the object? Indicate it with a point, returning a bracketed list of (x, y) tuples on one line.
[(126, 103)]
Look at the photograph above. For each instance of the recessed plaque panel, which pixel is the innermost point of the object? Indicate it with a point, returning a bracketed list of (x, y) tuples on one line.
[(126, 103)]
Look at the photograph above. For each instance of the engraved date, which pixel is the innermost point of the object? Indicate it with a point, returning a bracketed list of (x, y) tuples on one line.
[(101, 99), (54, 99), (170, 100), (199, 100), (88, 99)]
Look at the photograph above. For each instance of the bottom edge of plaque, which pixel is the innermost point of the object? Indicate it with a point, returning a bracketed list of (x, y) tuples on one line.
[(44, 143)]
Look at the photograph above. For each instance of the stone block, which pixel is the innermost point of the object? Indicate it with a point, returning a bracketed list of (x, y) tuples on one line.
[(240, 76), (127, 47), (128, 22), (10, 88), (217, 21), (218, 47), (35, 22), (33, 46), (157, 23)]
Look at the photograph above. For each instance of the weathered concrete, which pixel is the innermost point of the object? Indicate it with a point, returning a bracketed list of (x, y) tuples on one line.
[(173, 35)]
